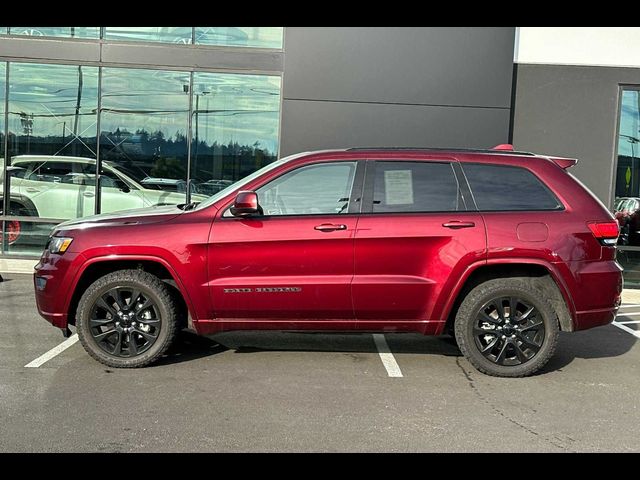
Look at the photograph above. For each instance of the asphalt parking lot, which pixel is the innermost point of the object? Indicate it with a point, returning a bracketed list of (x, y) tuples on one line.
[(268, 392)]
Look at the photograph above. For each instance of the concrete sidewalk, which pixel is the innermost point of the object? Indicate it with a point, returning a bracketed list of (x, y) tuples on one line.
[(631, 295)]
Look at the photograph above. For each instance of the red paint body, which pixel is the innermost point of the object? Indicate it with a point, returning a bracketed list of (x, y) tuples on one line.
[(360, 271)]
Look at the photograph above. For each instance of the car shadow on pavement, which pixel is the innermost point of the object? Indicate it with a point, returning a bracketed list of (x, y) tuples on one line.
[(280, 341), (190, 346), (602, 342)]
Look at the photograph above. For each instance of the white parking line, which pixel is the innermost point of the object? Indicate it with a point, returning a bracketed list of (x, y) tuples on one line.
[(628, 321), (630, 305), (627, 314), (388, 360), (635, 333), (53, 352)]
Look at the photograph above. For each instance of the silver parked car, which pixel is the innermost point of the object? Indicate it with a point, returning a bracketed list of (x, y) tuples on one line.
[(60, 187)]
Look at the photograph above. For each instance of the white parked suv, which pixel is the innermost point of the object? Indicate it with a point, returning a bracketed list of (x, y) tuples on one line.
[(64, 187)]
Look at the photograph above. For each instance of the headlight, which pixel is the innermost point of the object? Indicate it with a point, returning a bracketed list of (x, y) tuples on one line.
[(59, 244)]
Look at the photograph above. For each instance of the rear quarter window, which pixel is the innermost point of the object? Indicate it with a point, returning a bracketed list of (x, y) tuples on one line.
[(508, 188)]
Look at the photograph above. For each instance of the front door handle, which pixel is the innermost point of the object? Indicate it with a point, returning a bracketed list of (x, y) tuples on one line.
[(455, 224), (89, 194), (329, 227), (32, 190)]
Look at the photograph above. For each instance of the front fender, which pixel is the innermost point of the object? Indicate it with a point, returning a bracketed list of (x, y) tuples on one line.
[(184, 291)]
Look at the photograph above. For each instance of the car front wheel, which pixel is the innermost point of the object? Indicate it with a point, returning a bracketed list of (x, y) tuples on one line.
[(126, 319), (506, 327)]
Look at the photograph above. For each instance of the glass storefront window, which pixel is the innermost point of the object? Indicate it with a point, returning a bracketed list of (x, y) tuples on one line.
[(48, 172), (52, 146), (235, 127), (180, 35), (256, 37), (4, 228), (143, 138), (627, 192), (259, 37), (69, 32)]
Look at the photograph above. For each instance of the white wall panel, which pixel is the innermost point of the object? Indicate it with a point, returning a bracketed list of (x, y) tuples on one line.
[(605, 46)]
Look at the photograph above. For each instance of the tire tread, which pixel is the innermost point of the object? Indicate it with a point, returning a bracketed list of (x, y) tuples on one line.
[(146, 279), (467, 311)]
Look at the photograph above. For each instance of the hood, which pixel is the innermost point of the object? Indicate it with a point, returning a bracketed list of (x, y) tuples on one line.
[(135, 216)]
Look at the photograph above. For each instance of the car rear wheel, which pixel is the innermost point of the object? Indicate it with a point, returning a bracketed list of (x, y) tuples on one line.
[(127, 319), (14, 228), (13, 231), (506, 327)]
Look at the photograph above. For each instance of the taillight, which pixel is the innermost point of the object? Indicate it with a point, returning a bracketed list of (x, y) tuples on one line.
[(605, 232)]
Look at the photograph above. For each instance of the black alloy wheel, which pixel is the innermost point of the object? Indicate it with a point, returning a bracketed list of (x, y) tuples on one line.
[(508, 331), (508, 327), (127, 318), (124, 322)]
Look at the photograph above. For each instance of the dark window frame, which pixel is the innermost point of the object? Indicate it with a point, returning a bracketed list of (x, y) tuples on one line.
[(355, 201), (370, 178), (559, 208)]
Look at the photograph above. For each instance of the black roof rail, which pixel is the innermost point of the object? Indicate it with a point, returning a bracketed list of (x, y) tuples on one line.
[(434, 149)]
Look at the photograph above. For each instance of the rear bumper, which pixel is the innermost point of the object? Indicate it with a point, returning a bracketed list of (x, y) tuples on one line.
[(595, 318), (597, 292)]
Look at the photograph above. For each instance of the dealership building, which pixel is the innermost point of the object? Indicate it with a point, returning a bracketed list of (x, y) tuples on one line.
[(101, 119)]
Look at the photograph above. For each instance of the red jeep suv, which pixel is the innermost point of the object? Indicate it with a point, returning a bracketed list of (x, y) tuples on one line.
[(501, 249)]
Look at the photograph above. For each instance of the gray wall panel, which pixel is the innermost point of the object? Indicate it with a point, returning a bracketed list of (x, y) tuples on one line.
[(572, 111), (318, 125), (416, 65), (50, 49), (138, 54), (194, 56)]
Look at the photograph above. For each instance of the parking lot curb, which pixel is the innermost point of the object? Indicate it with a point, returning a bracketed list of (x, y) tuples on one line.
[(14, 265)]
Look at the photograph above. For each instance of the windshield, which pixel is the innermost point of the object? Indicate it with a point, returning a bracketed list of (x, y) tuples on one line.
[(243, 181)]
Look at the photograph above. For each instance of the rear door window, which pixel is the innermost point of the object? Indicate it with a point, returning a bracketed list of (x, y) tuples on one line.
[(415, 187)]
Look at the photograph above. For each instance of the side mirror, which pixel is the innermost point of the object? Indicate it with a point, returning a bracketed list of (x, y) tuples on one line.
[(246, 204)]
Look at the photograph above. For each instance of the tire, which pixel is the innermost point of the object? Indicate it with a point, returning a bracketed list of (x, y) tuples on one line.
[(519, 347), (107, 323)]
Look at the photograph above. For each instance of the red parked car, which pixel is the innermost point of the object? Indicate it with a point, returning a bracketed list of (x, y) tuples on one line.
[(627, 213), (502, 249)]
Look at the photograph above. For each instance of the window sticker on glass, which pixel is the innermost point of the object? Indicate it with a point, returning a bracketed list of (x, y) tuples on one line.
[(398, 187)]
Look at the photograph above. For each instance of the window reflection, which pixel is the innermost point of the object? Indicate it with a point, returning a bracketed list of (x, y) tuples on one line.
[(235, 127), (260, 37), (180, 35), (52, 140), (69, 32), (627, 201), (143, 139), (4, 227), (52, 146)]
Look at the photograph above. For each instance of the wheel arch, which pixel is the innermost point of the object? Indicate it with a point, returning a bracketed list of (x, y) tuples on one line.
[(97, 267), (550, 284), (22, 201)]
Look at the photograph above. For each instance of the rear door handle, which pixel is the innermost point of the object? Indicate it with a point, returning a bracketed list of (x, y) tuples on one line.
[(32, 190), (89, 194), (329, 227), (457, 224)]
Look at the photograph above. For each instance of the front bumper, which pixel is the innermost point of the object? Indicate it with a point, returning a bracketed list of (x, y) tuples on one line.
[(52, 279)]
